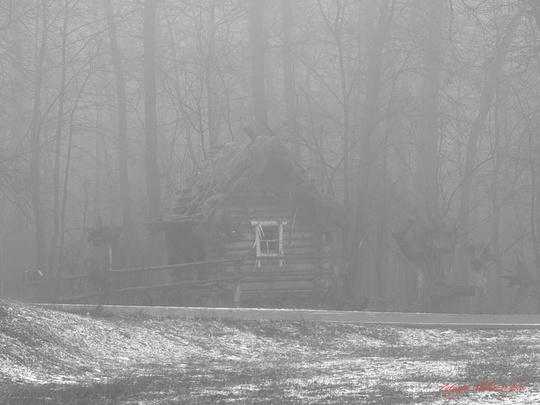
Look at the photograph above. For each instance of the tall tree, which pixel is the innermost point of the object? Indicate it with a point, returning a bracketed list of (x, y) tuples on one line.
[(209, 75), (428, 139), (150, 112), (367, 127), (427, 165), (486, 100), (258, 47), (336, 26), (35, 142), (504, 41), (58, 144), (368, 123), (125, 199), (288, 80), (535, 11), (495, 198)]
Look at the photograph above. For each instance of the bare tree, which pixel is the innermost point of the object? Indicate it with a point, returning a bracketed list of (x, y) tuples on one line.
[(288, 79), (150, 113), (367, 127), (257, 47), (58, 144), (478, 124), (35, 142), (123, 153), (428, 165)]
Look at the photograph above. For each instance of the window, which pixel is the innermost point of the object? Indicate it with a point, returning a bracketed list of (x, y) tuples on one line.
[(268, 239)]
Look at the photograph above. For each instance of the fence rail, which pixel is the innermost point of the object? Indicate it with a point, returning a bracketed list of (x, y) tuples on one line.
[(107, 292), (173, 266)]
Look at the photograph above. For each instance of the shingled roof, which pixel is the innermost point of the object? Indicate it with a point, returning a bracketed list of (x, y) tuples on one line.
[(265, 160)]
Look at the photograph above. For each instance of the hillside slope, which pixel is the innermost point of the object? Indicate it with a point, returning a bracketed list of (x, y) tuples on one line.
[(50, 357)]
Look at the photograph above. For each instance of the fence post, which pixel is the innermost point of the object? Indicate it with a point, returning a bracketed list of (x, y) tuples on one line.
[(237, 294)]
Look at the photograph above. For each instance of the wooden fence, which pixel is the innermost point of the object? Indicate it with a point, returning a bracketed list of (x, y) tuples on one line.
[(235, 280), (107, 292)]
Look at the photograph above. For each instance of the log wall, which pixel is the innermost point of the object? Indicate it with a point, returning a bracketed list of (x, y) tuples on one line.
[(302, 242)]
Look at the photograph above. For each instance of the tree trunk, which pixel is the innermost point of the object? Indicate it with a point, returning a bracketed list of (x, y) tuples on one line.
[(371, 102), (208, 73), (535, 11), (476, 129), (181, 111), (150, 114), (367, 125), (58, 143), (534, 196), (288, 80), (382, 216), (486, 100), (428, 162), (257, 45), (125, 200), (496, 206), (427, 147), (35, 143)]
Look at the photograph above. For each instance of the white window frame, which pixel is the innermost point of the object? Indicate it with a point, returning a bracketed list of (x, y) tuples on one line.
[(257, 244)]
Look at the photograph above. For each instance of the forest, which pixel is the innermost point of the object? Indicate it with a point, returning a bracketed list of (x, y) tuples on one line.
[(419, 116)]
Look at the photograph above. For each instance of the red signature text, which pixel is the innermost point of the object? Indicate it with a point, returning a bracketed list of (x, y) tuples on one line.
[(451, 390)]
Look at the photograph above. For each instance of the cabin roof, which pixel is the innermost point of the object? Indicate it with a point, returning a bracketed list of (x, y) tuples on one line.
[(265, 161)]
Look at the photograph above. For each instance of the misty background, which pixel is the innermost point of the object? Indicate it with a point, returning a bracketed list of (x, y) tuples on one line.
[(397, 108)]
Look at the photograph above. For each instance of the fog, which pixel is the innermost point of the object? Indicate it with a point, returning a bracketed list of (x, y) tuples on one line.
[(425, 110)]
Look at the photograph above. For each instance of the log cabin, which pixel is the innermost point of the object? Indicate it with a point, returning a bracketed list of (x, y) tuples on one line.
[(253, 201)]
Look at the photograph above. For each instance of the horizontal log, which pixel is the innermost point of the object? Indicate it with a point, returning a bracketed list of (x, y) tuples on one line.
[(184, 284), (281, 283), (303, 244), (247, 244), (257, 287), (249, 234), (249, 267), (293, 278), (245, 200), (242, 219), (284, 213), (300, 223), (276, 279), (274, 291), (287, 267), (285, 274), (186, 266), (76, 298), (242, 251), (75, 277), (292, 257), (296, 294)]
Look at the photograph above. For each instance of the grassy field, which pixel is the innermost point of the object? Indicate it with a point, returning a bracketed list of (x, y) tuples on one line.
[(49, 357)]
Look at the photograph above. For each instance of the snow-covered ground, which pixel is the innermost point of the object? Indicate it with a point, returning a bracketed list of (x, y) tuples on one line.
[(210, 361)]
